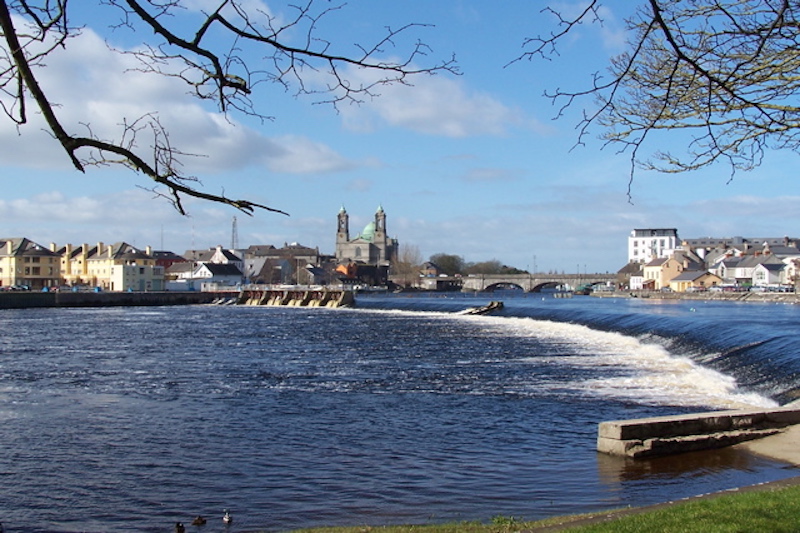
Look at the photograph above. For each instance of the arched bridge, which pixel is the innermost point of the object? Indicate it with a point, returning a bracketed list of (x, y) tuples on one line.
[(532, 282)]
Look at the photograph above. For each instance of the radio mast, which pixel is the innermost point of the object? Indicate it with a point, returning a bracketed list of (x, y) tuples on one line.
[(234, 235)]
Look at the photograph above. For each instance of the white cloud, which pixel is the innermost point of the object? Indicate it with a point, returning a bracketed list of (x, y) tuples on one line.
[(95, 89), (433, 105)]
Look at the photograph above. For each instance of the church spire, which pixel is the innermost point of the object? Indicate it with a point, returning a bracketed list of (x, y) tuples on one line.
[(380, 222), (343, 226)]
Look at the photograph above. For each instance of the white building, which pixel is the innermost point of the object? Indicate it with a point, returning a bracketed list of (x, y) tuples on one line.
[(136, 278), (644, 245)]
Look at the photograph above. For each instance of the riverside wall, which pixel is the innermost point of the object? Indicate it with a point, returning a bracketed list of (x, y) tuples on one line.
[(766, 297), (289, 298), (26, 299)]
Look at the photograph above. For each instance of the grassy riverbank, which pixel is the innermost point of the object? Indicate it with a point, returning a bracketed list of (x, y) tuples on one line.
[(773, 507)]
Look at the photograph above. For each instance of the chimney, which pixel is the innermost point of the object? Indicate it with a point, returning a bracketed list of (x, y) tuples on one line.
[(9, 247), (148, 250), (66, 259), (53, 247)]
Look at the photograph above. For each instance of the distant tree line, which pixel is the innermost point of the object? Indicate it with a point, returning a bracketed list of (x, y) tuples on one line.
[(454, 264)]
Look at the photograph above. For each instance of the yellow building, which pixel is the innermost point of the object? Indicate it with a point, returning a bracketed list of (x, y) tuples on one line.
[(115, 267), (25, 264), (694, 280), (658, 272)]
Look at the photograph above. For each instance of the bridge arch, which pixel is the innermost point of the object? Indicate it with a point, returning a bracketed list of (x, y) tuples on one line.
[(548, 285), (530, 282), (504, 285)]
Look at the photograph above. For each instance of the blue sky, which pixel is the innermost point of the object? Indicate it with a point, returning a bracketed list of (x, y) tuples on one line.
[(472, 165)]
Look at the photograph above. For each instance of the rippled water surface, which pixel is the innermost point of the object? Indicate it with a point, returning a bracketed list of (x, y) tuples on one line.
[(401, 411)]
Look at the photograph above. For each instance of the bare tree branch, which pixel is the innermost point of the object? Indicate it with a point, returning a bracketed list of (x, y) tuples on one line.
[(215, 58), (727, 71)]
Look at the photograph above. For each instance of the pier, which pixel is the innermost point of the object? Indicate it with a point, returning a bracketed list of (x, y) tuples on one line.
[(665, 435)]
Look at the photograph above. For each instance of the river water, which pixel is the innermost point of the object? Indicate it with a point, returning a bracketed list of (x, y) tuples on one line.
[(398, 411)]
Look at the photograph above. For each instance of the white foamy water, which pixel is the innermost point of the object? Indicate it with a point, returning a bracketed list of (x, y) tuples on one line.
[(646, 373)]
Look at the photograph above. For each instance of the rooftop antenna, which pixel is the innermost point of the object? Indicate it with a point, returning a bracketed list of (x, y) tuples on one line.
[(234, 235)]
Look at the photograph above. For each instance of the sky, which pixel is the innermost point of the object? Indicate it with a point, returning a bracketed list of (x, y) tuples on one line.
[(475, 164)]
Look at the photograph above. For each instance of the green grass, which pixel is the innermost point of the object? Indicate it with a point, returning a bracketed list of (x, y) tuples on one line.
[(773, 511), (768, 510)]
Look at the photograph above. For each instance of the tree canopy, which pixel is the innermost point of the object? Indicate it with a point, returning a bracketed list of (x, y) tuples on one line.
[(222, 54), (453, 265), (728, 71)]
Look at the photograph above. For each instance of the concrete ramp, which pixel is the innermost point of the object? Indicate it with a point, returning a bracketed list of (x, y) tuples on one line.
[(665, 435)]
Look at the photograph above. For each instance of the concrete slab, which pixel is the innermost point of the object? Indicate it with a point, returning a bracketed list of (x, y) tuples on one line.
[(783, 446), (665, 435)]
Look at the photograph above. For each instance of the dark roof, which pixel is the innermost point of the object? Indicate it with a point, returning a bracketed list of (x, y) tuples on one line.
[(773, 267), (199, 255), (257, 250), (631, 268), (227, 254), (165, 254), (20, 246), (179, 267), (689, 275), (217, 269)]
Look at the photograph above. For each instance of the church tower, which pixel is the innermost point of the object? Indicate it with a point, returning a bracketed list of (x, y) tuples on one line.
[(380, 225), (343, 230)]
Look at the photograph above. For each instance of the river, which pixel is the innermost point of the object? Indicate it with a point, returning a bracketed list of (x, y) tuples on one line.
[(398, 411)]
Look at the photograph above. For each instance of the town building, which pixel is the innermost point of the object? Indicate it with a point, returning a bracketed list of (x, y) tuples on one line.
[(27, 265), (694, 280), (294, 264), (768, 263), (658, 272), (166, 259), (212, 267), (367, 257), (644, 245), (114, 267)]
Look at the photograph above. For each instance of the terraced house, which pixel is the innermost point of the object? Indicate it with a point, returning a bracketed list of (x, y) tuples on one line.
[(114, 267), (27, 265)]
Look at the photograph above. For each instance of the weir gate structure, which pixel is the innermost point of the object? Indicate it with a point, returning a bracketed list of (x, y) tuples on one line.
[(533, 282)]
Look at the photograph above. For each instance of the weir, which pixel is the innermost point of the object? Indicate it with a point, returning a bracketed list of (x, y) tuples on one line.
[(665, 435), (297, 298)]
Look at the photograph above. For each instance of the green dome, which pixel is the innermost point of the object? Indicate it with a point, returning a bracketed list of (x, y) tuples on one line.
[(369, 232)]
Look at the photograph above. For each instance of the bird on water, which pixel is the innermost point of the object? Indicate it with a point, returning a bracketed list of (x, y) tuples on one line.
[(179, 528), (199, 521), (227, 518)]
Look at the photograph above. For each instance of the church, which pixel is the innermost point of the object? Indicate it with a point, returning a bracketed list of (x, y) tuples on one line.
[(369, 255)]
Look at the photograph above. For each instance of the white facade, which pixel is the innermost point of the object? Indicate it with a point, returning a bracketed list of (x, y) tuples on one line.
[(136, 278), (768, 275), (644, 245)]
